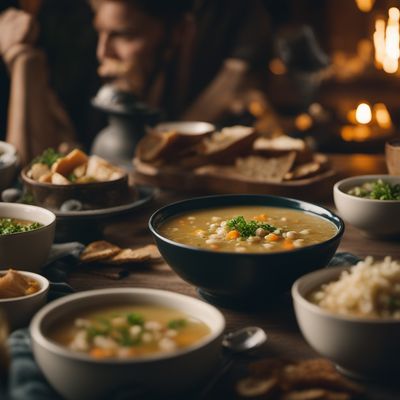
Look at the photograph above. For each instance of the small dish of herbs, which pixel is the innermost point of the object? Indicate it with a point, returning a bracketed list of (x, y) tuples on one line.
[(11, 225), (376, 190)]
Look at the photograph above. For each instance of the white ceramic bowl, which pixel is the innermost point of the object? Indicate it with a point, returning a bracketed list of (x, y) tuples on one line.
[(8, 164), (26, 250), (374, 217), (19, 310), (78, 376), (360, 347)]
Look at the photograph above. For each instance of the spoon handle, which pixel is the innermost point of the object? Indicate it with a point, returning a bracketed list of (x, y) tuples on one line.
[(226, 365)]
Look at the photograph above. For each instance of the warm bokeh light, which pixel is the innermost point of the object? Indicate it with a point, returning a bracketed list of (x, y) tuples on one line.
[(358, 133), (382, 116), (363, 113), (277, 67), (387, 42), (365, 5), (303, 122)]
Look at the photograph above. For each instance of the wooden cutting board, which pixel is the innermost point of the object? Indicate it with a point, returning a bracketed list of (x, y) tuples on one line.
[(217, 179)]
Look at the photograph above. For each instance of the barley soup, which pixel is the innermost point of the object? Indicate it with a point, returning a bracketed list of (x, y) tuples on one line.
[(248, 229), (129, 331)]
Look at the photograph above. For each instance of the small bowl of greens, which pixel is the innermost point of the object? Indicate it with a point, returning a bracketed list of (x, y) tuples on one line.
[(371, 203), (26, 236)]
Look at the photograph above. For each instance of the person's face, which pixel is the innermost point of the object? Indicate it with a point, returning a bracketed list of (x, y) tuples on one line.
[(129, 43)]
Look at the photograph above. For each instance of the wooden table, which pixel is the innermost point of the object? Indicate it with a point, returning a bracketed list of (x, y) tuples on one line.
[(284, 338)]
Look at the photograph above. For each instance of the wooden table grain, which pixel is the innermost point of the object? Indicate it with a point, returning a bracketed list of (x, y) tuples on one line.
[(277, 318)]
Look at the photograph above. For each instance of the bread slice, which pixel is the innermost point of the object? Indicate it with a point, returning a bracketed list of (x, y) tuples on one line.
[(223, 147), (320, 163), (272, 169), (280, 145), (155, 146)]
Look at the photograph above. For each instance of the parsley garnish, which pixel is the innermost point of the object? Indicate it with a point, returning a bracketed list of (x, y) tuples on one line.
[(248, 228), (48, 157), (8, 226), (377, 190)]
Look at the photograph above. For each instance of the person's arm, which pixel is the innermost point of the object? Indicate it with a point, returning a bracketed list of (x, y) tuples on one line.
[(36, 119)]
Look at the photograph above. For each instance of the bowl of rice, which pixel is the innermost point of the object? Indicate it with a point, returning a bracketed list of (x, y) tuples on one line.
[(352, 316)]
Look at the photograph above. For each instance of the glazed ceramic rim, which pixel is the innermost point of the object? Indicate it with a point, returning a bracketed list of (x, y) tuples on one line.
[(38, 336), (315, 309), (44, 286), (338, 187), (50, 214), (339, 223), (205, 127)]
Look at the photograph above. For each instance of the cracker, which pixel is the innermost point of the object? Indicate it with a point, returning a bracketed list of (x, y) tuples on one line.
[(99, 250), (142, 254)]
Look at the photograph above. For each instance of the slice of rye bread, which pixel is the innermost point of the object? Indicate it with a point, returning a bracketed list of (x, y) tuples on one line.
[(319, 164), (223, 147), (280, 145), (264, 169)]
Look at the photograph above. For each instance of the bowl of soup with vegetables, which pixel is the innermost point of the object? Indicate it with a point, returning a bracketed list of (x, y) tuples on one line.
[(239, 248), (126, 340), (26, 236)]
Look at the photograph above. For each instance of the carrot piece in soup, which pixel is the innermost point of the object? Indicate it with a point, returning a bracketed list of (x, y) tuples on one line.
[(260, 218), (98, 352), (272, 237), (232, 235), (288, 244)]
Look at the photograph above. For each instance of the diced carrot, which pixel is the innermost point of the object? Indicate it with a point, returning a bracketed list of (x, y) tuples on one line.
[(98, 352), (214, 246), (272, 237), (288, 244), (232, 235), (260, 218)]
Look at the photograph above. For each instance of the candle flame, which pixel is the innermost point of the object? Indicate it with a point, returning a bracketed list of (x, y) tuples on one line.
[(363, 113), (365, 5)]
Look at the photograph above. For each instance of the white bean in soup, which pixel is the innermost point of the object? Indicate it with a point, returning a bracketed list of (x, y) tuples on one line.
[(248, 229)]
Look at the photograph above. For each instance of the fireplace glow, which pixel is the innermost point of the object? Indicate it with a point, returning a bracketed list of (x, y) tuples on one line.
[(387, 42)]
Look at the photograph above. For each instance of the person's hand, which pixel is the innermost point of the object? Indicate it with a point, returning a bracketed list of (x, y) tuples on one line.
[(16, 27)]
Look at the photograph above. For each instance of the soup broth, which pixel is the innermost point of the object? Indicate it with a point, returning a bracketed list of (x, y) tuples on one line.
[(129, 331), (250, 229)]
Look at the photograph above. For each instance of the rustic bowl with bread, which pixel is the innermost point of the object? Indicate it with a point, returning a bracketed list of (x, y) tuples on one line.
[(228, 262), (234, 159), (52, 180)]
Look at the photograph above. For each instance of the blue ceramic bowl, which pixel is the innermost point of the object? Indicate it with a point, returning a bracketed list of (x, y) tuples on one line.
[(230, 278)]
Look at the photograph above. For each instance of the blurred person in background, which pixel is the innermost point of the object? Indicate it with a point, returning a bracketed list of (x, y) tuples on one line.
[(189, 59)]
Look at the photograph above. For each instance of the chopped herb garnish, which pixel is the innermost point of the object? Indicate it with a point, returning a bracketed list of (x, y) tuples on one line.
[(135, 319), (9, 225), (377, 190), (177, 323), (48, 157), (248, 228), (72, 177)]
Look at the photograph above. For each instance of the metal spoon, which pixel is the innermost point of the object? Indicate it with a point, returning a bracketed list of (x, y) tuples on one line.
[(240, 341)]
